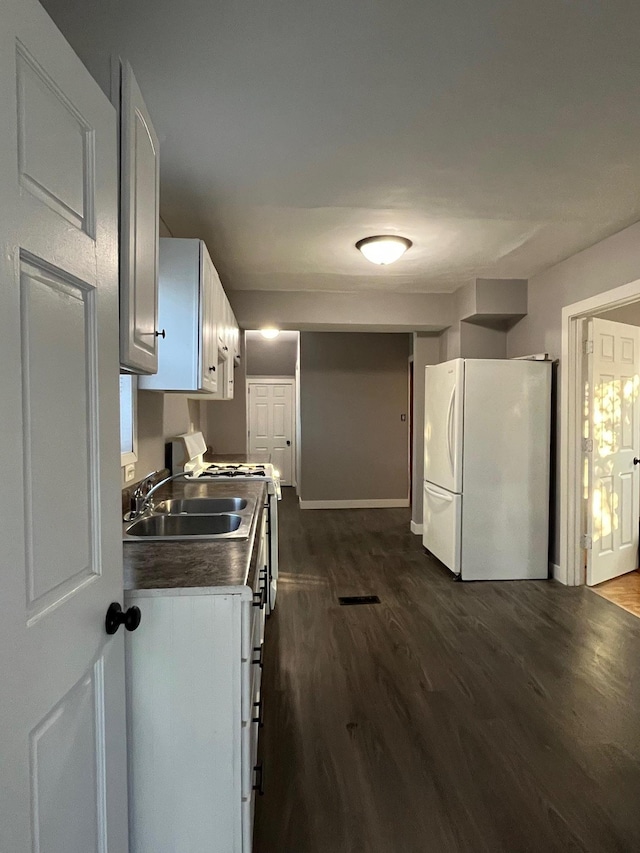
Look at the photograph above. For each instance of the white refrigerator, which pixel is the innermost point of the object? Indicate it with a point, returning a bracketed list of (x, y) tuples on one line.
[(486, 467)]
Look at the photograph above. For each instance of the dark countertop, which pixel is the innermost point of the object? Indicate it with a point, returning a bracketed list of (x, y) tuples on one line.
[(166, 567)]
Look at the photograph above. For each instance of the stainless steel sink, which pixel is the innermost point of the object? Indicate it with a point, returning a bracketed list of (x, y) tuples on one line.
[(199, 506), (228, 526)]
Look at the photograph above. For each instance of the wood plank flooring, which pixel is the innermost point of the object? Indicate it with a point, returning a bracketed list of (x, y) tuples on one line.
[(449, 717), (623, 591)]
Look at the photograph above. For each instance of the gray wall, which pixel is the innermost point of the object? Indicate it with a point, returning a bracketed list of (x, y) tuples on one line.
[(271, 358), (353, 390), (160, 418), (608, 264), (627, 314), (480, 342), (225, 421), (426, 350)]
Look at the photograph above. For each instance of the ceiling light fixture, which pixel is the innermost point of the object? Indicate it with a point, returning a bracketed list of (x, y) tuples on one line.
[(383, 249), (269, 334)]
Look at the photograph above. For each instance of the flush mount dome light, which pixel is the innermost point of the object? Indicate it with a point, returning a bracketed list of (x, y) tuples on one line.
[(384, 249), (269, 334)]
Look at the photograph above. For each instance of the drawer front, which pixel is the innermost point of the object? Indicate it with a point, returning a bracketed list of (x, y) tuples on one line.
[(248, 811), (257, 628), (256, 671), (247, 690), (251, 680), (442, 525), (249, 758), (247, 629)]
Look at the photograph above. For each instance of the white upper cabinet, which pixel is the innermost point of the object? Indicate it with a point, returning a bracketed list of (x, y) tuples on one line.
[(227, 341), (191, 357), (139, 217)]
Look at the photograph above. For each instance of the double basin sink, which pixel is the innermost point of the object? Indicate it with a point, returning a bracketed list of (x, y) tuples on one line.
[(193, 518)]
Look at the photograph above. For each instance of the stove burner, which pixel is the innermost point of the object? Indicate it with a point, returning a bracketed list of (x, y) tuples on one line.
[(234, 471)]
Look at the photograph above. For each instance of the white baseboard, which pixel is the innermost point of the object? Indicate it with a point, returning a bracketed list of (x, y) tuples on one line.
[(558, 574), (416, 528), (373, 503)]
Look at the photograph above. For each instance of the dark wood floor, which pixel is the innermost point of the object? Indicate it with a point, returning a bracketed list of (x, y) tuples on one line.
[(450, 717)]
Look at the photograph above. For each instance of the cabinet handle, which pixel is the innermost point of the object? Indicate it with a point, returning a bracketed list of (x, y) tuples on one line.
[(213, 368), (161, 334), (258, 649), (259, 719), (260, 597), (259, 771)]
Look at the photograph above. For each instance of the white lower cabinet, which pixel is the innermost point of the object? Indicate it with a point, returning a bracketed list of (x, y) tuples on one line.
[(194, 716)]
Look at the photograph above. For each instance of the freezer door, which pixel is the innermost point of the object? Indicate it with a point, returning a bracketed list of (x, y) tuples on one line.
[(443, 420), (506, 470), (442, 525)]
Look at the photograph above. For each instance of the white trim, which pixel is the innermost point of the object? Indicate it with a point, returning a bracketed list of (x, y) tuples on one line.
[(298, 462), (416, 528), (255, 379), (556, 573), (570, 571), (132, 455), (372, 503)]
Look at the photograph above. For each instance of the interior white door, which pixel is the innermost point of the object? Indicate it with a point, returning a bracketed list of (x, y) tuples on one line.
[(62, 718), (613, 425), (271, 425), (443, 419)]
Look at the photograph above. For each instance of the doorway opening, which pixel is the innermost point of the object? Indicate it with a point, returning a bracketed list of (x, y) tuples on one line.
[(272, 401), (600, 445)]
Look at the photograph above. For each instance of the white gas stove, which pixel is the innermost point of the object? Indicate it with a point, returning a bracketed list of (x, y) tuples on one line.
[(239, 471)]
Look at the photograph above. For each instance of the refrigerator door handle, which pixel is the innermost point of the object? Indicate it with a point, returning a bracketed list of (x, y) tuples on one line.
[(441, 495), (449, 428)]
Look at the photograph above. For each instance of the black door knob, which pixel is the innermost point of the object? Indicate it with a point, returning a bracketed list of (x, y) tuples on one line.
[(116, 617), (636, 461), (288, 444)]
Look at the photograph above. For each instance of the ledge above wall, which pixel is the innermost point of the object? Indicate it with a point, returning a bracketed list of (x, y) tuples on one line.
[(494, 303), (379, 311)]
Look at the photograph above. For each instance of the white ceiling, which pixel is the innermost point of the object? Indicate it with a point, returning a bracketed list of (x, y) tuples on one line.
[(499, 135)]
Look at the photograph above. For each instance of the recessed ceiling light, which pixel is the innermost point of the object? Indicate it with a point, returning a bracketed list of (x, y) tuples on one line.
[(269, 334), (383, 249)]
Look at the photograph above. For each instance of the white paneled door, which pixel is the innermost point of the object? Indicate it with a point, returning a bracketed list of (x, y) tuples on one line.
[(62, 721), (612, 433), (271, 425)]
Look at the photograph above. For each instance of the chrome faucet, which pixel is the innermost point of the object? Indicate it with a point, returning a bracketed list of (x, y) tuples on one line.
[(141, 498)]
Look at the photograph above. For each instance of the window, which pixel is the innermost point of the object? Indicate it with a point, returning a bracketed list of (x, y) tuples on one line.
[(128, 418)]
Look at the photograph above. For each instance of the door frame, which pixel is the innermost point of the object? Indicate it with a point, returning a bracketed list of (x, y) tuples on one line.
[(571, 570), (279, 380)]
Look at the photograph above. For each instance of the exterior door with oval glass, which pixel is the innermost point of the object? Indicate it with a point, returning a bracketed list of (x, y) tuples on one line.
[(62, 711), (612, 443)]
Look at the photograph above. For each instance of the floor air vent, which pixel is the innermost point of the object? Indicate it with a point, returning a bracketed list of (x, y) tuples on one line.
[(359, 599)]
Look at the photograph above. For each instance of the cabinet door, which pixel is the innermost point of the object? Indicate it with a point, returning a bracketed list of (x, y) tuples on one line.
[(221, 299), (139, 217), (208, 340)]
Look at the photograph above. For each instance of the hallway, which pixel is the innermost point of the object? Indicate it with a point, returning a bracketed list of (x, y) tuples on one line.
[(449, 718)]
